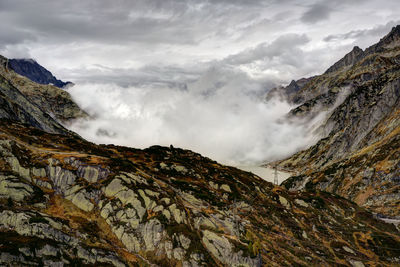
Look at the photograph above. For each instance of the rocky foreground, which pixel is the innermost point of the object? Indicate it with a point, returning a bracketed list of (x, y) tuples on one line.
[(65, 201)]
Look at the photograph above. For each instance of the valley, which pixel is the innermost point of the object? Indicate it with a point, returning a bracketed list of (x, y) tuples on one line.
[(70, 201)]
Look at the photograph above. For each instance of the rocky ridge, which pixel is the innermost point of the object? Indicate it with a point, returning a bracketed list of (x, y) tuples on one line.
[(16, 106), (35, 72), (358, 155), (51, 99)]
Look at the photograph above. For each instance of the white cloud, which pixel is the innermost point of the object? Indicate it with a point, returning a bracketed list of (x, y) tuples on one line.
[(221, 115), (285, 48)]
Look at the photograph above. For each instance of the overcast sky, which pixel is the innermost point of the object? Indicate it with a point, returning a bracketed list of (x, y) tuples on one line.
[(168, 43)]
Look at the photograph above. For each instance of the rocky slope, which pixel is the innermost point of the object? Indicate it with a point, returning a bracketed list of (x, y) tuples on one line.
[(16, 106), (52, 100), (287, 93), (358, 156), (35, 72), (65, 201)]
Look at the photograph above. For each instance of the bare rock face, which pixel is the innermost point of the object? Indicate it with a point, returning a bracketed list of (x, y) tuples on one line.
[(64, 201), (348, 60), (15, 106), (361, 93), (222, 249), (46, 97)]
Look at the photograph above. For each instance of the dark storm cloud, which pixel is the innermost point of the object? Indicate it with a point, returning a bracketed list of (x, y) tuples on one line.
[(110, 22), (122, 21), (14, 37), (147, 21), (379, 30), (126, 35), (321, 10), (284, 47), (316, 13)]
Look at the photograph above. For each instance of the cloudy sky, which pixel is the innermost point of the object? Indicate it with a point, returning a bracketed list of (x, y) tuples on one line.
[(167, 41), (139, 65)]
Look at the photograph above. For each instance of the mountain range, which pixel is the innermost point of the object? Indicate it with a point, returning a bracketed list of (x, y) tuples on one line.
[(358, 154), (65, 201)]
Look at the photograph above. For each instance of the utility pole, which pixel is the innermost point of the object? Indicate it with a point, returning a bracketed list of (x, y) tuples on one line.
[(7, 65), (276, 175)]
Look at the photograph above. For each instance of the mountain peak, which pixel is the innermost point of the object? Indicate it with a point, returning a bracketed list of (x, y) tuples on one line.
[(356, 49), (395, 30), (348, 60), (392, 39), (31, 69), (392, 36), (292, 88), (29, 60)]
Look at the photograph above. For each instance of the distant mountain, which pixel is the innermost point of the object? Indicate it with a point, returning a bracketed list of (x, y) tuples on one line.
[(48, 98), (290, 91), (358, 156), (35, 72), (17, 106)]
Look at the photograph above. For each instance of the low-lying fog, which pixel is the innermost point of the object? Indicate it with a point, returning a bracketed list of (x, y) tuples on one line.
[(222, 115)]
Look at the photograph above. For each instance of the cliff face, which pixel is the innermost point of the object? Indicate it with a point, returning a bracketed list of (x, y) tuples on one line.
[(67, 201), (52, 100), (16, 106), (358, 155), (35, 72)]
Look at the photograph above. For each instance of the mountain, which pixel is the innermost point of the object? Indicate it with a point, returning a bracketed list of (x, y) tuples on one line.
[(50, 99), (35, 72), (358, 155), (17, 107), (67, 202), (288, 92), (348, 60)]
